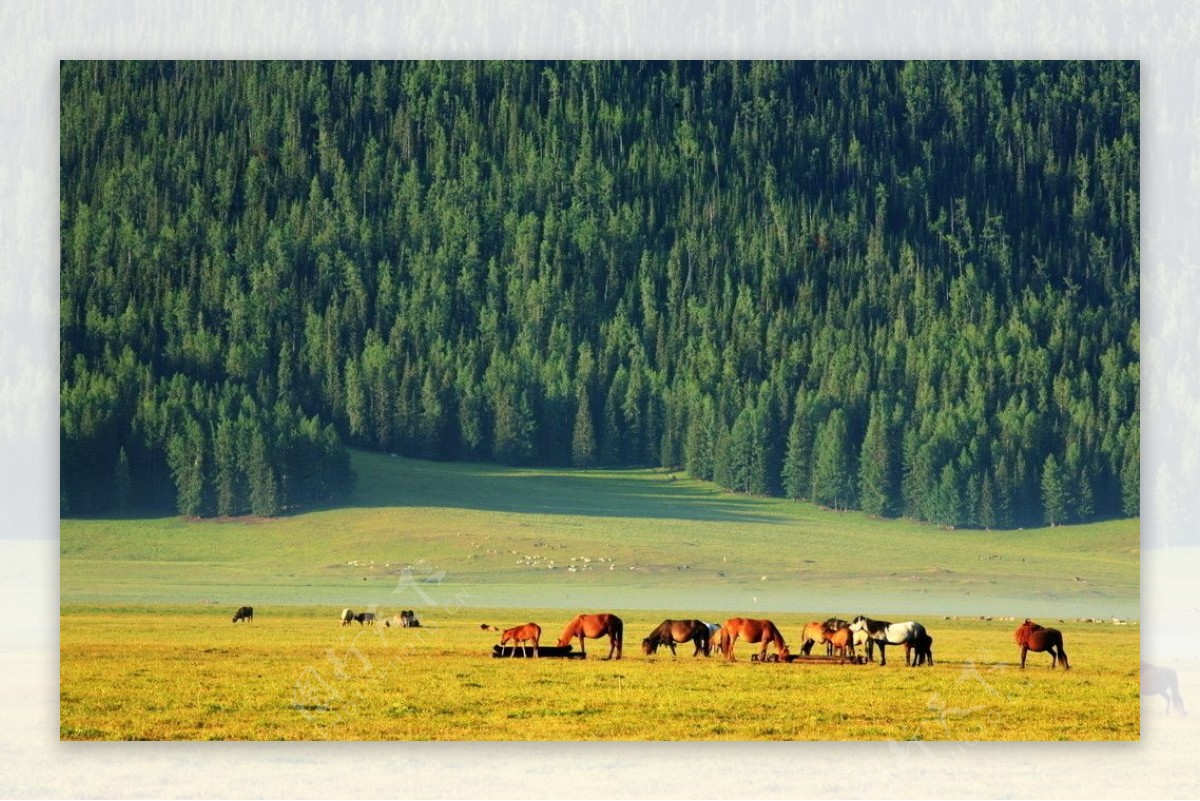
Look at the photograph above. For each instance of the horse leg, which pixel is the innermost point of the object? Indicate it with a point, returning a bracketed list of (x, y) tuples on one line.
[(729, 652), (1024, 651), (882, 655)]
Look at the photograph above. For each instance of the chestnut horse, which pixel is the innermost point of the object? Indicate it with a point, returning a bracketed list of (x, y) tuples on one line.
[(1162, 681), (670, 632), (595, 626), (763, 631), (521, 634), (838, 639), (1032, 637)]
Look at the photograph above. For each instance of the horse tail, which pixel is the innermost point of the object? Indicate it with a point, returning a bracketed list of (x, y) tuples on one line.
[(1062, 654), (618, 630)]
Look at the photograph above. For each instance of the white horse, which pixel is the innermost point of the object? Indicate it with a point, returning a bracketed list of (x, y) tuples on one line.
[(713, 628), (882, 633)]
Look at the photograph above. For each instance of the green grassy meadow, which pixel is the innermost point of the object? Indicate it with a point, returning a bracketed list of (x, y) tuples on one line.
[(148, 651)]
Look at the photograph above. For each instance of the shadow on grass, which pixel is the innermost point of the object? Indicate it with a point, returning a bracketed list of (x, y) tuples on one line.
[(636, 493)]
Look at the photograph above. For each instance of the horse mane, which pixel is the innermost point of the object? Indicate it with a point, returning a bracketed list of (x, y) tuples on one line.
[(571, 630), (777, 637), (1021, 635)]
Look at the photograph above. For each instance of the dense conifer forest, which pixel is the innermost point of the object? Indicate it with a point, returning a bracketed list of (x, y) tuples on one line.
[(906, 288)]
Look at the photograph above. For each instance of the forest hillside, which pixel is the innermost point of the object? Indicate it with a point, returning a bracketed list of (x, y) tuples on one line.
[(908, 288)]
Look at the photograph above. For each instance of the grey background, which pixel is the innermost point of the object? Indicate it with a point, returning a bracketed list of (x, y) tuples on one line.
[(1163, 35)]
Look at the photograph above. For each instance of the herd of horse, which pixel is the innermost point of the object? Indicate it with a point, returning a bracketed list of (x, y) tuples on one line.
[(840, 637)]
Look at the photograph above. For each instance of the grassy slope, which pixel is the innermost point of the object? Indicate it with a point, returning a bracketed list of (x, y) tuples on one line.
[(484, 535)]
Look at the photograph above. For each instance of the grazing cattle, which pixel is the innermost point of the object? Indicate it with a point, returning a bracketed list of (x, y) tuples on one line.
[(670, 632), (522, 634), (245, 613), (1162, 681), (365, 617), (407, 619), (1032, 637), (486, 627), (753, 631), (347, 617), (595, 626), (883, 633)]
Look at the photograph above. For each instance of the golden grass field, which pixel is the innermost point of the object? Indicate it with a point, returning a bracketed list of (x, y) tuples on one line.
[(186, 673), (147, 649)]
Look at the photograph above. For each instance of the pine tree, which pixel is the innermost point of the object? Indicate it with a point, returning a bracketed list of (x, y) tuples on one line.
[(797, 462), (1055, 498), (876, 473), (832, 482), (260, 474), (583, 440)]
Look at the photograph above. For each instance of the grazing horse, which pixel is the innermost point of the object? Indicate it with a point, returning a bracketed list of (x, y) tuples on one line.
[(670, 632), (521, 634), (245, 613), (1032, 637), (761, 631), (347, 617), (1162, 681), (883, 633), (595, 626)]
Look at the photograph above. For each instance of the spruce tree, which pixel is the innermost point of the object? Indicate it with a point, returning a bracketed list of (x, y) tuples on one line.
[(583, 439)]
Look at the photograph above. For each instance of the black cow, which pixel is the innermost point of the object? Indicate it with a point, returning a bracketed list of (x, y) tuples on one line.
[(245, 613)]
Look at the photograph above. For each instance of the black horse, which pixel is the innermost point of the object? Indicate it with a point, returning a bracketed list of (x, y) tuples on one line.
[(670, 632)]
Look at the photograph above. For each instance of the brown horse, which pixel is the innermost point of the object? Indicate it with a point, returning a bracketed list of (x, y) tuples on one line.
[(814, 632), (1032, 637), (521, 634), (841, 641), (595, 626), (1162, 681), (670, 632), (762, 631)]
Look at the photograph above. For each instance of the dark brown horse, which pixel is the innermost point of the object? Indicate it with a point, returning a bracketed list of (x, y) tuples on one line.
[(521, 634), (1032, 637), (595, 626), (670, 632), (761, 631), (1162, 681)]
